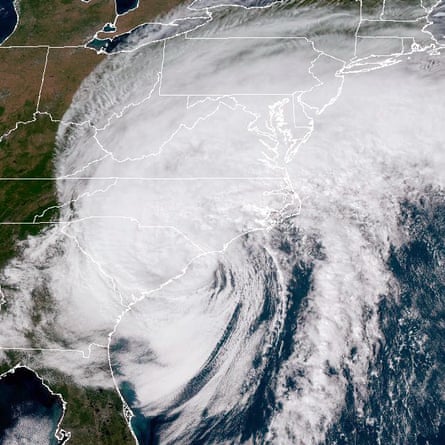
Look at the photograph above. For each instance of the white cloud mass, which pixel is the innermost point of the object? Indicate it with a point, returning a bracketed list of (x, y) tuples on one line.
[(262, 123)]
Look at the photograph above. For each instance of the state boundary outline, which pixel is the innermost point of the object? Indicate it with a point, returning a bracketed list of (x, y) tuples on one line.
[(126, 409)]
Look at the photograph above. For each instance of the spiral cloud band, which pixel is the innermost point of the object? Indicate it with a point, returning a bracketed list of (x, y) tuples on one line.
[(238, 201)]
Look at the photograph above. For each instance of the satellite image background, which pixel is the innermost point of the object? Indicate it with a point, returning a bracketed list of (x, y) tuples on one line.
[(222, 222)]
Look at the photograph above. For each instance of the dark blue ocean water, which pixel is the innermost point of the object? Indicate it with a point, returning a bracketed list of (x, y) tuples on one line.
[(406, 383), (248, 423), (123, 6), (8, 19), (23, 394)]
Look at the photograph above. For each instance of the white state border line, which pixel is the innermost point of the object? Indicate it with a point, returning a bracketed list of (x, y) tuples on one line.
[(85, 355), (126, 410), (132, 178), (41, 46), (42, 81), (250, 38)]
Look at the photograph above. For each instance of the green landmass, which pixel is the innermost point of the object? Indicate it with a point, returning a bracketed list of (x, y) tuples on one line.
[(26, 153), (60, 22), (93, 415)]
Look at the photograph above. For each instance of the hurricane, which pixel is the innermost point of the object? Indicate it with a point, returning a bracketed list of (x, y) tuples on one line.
[(252, 223)]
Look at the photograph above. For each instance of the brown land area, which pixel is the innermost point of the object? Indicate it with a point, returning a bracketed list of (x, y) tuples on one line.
[(60, 22), (65, 70), (146, 11), (93, 415), (21, 75)]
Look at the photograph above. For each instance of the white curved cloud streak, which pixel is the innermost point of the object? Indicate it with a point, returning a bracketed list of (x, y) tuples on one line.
[(181, 177)]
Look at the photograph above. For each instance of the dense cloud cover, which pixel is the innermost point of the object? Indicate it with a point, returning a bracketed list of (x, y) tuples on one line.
[(230, 199)]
